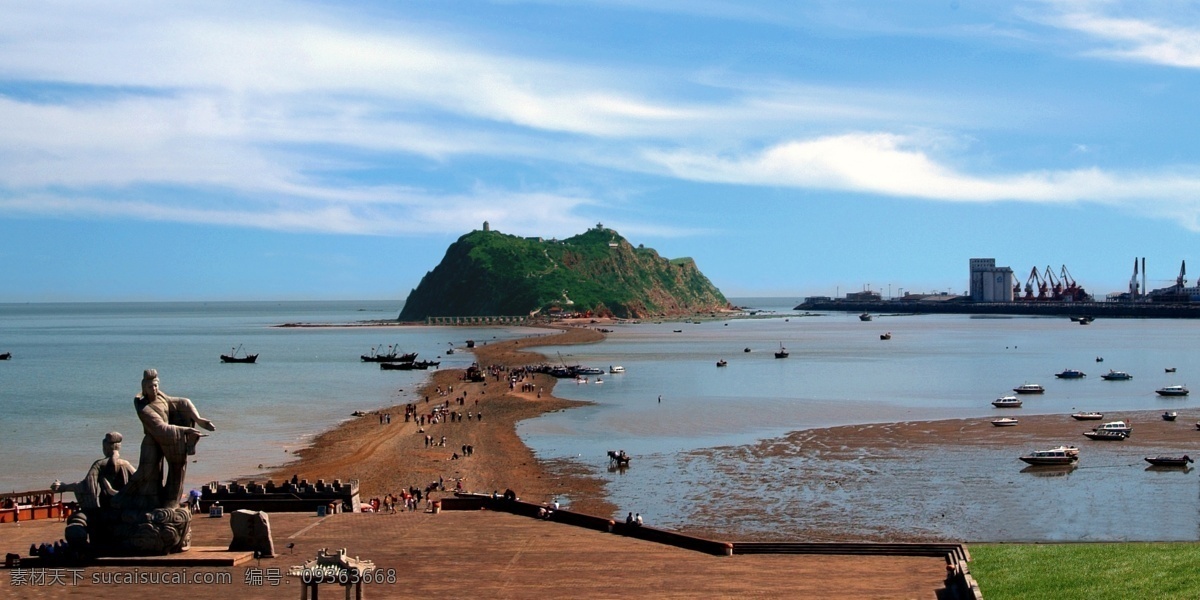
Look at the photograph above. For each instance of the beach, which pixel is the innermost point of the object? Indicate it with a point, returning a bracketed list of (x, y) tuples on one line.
[(391, 457)]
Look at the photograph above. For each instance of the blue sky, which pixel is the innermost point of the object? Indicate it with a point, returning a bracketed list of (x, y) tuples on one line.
[(332, 150)]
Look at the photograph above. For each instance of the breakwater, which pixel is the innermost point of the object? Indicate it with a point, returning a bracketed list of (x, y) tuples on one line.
[(1117, 310)]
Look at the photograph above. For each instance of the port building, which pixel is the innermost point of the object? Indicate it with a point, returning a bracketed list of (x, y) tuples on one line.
[(990, 283)]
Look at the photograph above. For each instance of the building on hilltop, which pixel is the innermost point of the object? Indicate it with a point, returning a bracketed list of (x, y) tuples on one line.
[(990, 283)]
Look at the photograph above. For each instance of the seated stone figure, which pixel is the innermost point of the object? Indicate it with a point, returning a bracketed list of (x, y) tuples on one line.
[(106, 477)]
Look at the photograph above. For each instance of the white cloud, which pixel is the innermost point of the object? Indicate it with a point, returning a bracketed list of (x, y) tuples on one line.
[(1136, 38), (894, 165)]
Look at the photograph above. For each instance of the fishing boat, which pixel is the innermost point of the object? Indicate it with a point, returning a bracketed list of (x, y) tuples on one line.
[(782, 352), (1170, 415), (6, 356), (1005, 422), (1029, 388), (1062, 455), (1170, 369), (1087, 416), (721, 363), (1007, 402), (885, 336), (1105, 435), (392, 355), (745, 349), (233, 357), (1116, 376), (1169, 461), (865, 317), (1071, 374), (616, 369), (1172, 390)]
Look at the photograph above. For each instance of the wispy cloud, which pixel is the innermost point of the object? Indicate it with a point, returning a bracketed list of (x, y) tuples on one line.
[(894, 165), (1132, 38)]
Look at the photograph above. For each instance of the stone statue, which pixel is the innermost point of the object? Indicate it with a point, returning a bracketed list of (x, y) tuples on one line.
[(106, 477), (170, 430), (142, 516)]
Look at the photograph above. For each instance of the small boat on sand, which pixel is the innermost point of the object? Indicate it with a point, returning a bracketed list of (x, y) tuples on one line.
[(1105, 435), (1170, 415), (1062, 455), (1005, 422), (1118, 426), (1172, 390), (1087, 416), (1169, 461), (1007, 402)]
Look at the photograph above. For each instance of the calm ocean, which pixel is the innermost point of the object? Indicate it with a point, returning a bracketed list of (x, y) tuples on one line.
[(692, 468), (76, 368)]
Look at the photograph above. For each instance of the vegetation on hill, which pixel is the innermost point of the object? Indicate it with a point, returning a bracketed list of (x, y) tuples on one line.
[(488, 273)]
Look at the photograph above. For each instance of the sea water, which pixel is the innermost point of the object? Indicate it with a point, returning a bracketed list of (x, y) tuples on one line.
[(77, 367), (691, 468)]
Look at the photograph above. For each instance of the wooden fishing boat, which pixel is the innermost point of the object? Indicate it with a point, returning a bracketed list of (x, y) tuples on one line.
[(233, 357)]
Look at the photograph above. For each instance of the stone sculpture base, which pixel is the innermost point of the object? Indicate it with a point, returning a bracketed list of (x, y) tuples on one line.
[(96, 532)]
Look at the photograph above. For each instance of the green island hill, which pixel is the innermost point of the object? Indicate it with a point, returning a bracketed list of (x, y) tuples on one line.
[(488, 273)]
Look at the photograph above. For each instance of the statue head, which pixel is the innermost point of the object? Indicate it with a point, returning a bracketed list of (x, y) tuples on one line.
[(112, 443), (150, 383)]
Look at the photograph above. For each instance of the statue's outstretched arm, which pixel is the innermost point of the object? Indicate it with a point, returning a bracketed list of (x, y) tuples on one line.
[(188, 411)]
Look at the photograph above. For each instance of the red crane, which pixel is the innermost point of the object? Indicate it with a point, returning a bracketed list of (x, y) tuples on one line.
[(1056, 286)]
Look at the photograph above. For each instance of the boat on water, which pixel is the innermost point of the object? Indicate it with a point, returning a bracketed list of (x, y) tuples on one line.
[(745, 349), (1084, 320), (233, 357), (1071, 374), (1169, 461), (1170, 369), (6, 356), (721, 363), (1087, 416), (1170, 415), (1005, 422), (1007, 402), (885, 336), (1104, 435), (1116, 376), (782, 352), (1062, 455), (392, 355), (420, 365), (616, 369), (865, 317), (589, 371), (1029, 388), (1172, 390)]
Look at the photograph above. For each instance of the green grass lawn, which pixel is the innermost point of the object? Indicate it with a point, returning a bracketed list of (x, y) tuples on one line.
[(1086, 571)]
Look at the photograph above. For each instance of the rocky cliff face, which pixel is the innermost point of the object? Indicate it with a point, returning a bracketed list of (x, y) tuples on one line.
[(488, 273)]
